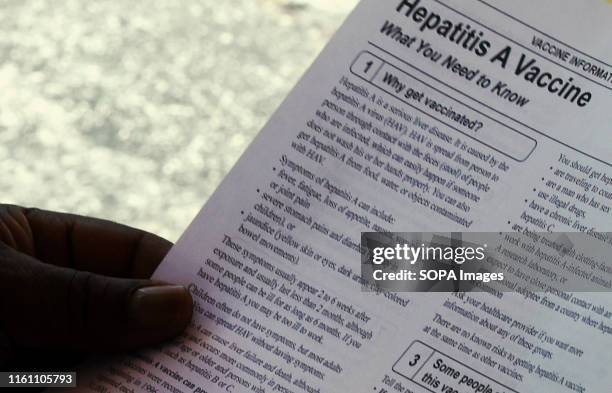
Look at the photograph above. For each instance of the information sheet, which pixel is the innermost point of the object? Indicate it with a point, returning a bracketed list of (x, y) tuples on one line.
[(419, 115)]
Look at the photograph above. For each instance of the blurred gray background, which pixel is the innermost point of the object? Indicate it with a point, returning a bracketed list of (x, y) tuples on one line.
[(135, 110)]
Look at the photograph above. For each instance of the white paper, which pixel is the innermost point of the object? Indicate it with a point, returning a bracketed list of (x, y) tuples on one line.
[(365, 142)]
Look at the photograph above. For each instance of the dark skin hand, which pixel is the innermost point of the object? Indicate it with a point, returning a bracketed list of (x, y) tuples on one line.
[(72, 285)]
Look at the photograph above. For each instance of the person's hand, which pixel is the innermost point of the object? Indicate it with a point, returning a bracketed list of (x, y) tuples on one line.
[(71, 284)]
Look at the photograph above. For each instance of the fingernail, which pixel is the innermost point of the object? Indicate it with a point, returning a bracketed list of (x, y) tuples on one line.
[(167, 306)]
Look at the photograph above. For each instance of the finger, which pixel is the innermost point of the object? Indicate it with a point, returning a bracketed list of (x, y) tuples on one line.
[(82, 243), (46, 306)]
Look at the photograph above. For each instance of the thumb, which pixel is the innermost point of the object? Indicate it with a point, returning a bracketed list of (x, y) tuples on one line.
[(43, 306)]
